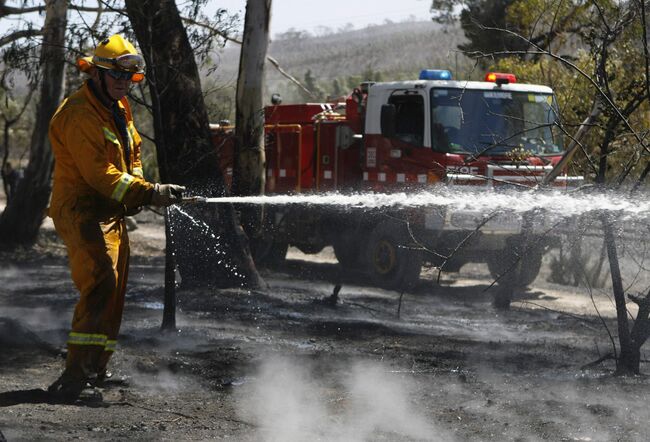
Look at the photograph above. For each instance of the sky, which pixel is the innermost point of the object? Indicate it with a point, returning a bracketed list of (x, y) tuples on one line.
[(310, 14)]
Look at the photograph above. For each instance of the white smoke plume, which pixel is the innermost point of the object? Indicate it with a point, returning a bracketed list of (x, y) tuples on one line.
[(289, 401)]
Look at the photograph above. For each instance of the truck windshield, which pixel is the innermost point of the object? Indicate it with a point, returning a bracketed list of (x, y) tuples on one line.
[(493, 122)]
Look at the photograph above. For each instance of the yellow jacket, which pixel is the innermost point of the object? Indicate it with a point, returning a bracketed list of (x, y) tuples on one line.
[(90, 173)]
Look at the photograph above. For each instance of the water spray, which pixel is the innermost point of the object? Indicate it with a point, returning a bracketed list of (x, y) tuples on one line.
[(555, 203)]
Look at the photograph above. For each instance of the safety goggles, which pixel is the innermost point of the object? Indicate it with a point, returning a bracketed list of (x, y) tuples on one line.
[(135, 77), (129, 62), (126, 67)]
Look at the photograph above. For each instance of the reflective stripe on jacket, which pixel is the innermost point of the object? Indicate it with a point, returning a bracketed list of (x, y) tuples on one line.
[(90, 164)]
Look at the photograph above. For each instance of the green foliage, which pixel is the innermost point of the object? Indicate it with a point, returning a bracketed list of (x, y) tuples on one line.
[(604, 45), (482, 14)]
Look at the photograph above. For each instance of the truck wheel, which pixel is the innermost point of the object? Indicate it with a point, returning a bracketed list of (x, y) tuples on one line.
[(501, 261), (390, 261)]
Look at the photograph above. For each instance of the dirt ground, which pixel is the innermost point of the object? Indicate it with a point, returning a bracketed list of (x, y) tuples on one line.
[(280, 364)]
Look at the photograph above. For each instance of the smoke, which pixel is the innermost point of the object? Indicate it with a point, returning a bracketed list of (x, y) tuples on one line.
[(289, 401), (158, 378), (380, 402)]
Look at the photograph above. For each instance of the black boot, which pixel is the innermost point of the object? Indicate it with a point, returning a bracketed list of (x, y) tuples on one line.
[(66, 389)]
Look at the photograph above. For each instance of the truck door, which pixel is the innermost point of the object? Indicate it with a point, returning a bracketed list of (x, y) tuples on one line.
[(409, 116)]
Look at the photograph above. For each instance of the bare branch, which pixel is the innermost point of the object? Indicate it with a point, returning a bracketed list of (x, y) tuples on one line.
[(608, 356), (100, 12), (98, 9), (290, 77), (573, 146), (8, 10), (108, 5), (17, 35)]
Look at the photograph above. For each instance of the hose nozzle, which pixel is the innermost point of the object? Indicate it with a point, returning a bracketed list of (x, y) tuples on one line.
[(194, 199)]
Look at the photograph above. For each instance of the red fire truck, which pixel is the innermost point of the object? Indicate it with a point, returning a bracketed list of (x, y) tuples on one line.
[(406, 136)]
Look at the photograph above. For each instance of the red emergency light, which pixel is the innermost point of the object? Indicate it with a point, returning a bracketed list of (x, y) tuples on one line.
[(500, 78)]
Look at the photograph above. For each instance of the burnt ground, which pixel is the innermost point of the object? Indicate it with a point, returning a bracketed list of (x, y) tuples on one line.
[(280, 364)]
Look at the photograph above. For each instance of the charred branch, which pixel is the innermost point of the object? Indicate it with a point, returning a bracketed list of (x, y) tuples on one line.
[(641, 328), (628, 361), (607, 357)]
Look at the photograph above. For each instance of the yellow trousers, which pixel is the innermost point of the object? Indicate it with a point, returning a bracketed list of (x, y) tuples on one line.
[(98, 254)]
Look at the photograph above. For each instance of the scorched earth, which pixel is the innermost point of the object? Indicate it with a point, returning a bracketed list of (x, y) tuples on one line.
[(283, 364)]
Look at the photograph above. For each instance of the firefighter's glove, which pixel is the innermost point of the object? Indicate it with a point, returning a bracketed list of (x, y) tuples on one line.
[(166, 194)]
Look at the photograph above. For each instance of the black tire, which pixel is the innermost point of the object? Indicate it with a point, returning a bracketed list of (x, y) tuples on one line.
[(390, 259), (500, 264)]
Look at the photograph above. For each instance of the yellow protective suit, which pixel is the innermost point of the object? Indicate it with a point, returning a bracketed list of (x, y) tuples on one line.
[(94, 186)]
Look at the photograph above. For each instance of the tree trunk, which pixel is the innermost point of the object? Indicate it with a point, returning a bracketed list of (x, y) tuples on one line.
[(629, 357), (22, 218), (169, 311), (185, 151), (5, 157), (250, 163)]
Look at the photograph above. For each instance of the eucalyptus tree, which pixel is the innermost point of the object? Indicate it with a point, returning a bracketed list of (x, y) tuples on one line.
[(22, 218), (249, 171), (185, 150)]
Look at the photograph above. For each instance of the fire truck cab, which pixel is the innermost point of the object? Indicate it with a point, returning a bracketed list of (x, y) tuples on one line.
[(407, 136)]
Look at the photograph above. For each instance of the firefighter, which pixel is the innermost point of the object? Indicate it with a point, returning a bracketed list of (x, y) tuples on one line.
[(98, 180)]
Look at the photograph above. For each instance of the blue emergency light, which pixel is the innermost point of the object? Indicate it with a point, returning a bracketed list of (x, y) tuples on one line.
[(435, 74)]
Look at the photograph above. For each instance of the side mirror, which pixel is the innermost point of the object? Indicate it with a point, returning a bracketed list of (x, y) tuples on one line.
[(387, 120)]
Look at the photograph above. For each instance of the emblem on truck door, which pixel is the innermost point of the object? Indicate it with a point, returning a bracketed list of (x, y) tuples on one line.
[(469, 170)]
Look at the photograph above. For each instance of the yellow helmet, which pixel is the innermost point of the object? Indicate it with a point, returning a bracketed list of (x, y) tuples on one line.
[(117, 54)]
